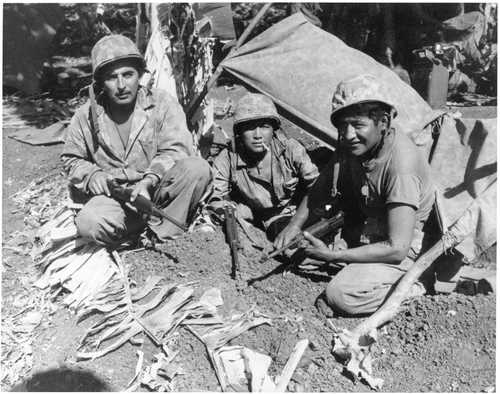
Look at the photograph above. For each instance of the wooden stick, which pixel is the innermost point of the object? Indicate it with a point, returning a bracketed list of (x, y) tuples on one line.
[(196, 101), (390, 308), (291, 365), (252, 25), (454, 236)]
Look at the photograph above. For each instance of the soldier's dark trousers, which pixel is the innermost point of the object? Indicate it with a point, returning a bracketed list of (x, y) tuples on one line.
[(108, 222)]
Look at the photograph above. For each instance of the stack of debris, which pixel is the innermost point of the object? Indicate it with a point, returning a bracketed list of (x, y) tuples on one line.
[(88, 278)]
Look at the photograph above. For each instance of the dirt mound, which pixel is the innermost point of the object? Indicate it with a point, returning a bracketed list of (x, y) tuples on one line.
[(440, 343), (436, 343)]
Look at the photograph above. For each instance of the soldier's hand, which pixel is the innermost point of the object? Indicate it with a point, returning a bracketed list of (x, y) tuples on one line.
[(143, 188), (286, 236), (98, 183), (317, 249)]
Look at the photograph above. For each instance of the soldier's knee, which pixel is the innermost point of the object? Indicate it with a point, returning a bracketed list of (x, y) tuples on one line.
[(92, 224), (196, 169), (342, 297), (351, 298), (89, 224)]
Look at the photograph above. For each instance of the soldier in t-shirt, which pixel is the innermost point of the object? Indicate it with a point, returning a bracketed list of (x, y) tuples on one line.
[(383, 185)]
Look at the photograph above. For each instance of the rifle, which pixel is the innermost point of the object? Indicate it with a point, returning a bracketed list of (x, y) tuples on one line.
[(141, 203), (231, 229), (318, 230)]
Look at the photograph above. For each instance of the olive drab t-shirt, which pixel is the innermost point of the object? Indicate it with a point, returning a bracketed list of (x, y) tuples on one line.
[(398, 174)]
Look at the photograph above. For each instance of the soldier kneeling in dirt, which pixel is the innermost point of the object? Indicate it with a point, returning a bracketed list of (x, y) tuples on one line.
[(268, 173), (137, 137), (383, 185)]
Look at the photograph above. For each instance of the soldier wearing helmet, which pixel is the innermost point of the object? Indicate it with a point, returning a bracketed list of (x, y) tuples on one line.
[(137, 137), (383, 185), (268, 173)]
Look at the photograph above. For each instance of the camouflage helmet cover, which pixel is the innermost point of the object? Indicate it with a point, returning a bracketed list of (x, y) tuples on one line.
[(360, 89), (254, 106), (112, 48)]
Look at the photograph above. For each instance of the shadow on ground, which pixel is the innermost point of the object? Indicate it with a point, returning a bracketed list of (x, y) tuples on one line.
[(63, 379)]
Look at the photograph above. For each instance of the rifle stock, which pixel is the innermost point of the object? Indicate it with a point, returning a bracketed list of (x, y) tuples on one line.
[(231, 228)]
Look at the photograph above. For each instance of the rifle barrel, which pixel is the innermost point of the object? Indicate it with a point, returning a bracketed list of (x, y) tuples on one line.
[(158, 212), (143, 204), (318, 230), (283, 248)]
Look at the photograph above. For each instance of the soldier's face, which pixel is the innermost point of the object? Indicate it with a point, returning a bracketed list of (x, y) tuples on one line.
[(358, 132), (256, 135), (121, 82)]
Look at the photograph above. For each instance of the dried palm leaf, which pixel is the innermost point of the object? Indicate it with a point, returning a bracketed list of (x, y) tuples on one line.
[(159, 375), (61, 227), (95, 280), (242, 370), (155, 309), (134, 383), (216, 337)]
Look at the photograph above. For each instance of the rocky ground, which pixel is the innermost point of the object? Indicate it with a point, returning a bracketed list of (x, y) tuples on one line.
[(439, 343)]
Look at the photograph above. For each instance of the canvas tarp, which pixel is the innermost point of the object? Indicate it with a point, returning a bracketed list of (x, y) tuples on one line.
[(54, 134), (464, 166), (299, 65), (220, 17)]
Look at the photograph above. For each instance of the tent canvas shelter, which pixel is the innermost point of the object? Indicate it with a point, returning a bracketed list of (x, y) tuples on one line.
[(464, 166), (298, 66), (220, 17)]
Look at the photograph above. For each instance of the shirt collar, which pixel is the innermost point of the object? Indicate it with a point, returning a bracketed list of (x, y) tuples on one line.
[(279, 142)]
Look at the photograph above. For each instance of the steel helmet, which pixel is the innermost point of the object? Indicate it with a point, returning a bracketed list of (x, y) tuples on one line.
[(357, 90), (112, 48), (255, 106)]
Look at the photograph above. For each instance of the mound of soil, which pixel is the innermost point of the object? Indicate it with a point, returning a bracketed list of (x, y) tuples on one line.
[(436, 343), (441, 343)]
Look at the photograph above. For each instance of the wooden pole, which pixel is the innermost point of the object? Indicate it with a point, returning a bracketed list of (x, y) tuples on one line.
[(454, 236), (196, 101), (390, 307), (291, 366), (252, 25)]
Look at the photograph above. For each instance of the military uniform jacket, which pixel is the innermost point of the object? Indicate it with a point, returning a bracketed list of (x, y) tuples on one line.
[(158, 138), (291, 167)]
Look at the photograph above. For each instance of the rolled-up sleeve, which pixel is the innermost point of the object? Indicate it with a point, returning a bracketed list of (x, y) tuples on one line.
[(403, 189), (174, 141), (75, 155)]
